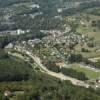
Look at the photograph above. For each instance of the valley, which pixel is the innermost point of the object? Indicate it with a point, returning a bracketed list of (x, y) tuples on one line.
[(49, 50)]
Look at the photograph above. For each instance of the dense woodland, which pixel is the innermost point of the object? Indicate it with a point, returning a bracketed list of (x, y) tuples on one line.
[(12, 69), (51, 89)]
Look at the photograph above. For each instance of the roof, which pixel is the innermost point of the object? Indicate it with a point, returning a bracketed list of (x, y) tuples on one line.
[(60, 64), (7, 93)]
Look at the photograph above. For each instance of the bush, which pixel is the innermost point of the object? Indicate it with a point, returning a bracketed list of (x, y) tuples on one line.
[(75, 58), (84, 50), (91, 45)]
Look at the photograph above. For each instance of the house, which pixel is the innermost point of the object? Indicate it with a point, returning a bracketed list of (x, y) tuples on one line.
[(9, 46), (7, 93), (20, 31), (60, 64), (59, 10), (35, 6), (98, 80), (33, 42)]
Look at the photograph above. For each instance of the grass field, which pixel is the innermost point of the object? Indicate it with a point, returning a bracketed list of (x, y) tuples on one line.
[(88, 28), (89, 73), (91, 54), (90, 32), (93, 17), (96, 35), (85, 30)]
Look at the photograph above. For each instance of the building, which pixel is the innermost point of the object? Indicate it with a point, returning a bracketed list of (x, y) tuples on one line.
[(9, 46), (7, 93), (60, 64)]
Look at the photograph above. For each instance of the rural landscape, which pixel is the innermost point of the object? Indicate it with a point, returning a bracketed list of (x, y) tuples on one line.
[(49, 49)]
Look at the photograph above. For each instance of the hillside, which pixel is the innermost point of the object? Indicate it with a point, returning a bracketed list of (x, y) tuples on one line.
[(49, 49)]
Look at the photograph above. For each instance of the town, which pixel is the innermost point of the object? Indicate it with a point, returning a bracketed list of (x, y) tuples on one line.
[(49, 50)]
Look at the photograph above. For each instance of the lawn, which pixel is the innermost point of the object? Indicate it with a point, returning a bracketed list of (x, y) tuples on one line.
[(89, 73)]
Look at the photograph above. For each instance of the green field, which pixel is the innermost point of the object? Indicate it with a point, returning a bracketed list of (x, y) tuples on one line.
[(85, 30), (96, 35), (90, 54), (89, 73), (91, 31)]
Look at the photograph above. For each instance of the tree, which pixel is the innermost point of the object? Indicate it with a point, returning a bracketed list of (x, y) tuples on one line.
[(52, 66), (75, 58), (5, 98)]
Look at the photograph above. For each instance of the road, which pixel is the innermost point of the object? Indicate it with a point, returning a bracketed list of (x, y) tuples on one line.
[(89, 67), (57, 75), (54, 74), (86, 66), (94, 59)]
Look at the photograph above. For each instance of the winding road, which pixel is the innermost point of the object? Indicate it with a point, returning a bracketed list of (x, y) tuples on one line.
[(54, 74)]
